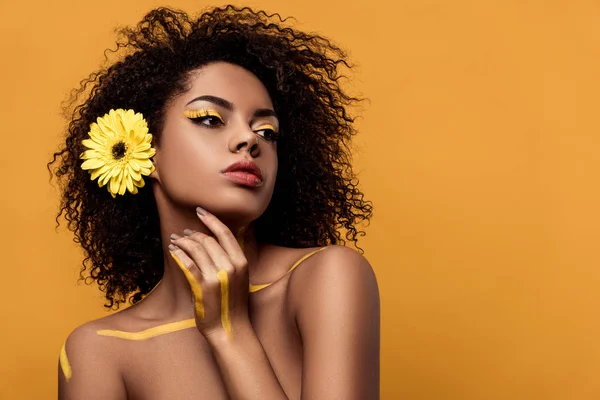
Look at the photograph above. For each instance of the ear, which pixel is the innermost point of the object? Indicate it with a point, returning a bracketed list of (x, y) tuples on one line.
[(155, 161)]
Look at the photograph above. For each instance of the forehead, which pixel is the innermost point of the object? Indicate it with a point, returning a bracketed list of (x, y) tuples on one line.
[(230, 82)]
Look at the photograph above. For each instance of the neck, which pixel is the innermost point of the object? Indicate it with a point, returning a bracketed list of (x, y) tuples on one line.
[(171, 299)]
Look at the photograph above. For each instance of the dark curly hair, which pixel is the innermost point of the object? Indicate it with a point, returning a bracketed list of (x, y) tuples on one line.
[(316, 192)]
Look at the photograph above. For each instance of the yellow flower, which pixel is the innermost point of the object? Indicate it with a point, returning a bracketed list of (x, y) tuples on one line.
[(119, 151)]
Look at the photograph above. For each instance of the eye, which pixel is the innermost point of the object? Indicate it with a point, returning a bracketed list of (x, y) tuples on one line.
[(268, 132), (209, 118), (208, 121)]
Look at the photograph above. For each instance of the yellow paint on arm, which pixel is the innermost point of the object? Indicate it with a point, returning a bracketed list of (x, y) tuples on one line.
[(65, 366), (194, 284), (225, 321)]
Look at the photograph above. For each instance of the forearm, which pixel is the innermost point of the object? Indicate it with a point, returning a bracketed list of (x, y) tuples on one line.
[(244, 365)]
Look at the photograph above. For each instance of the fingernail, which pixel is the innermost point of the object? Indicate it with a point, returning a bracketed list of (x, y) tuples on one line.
[(172, 247), (187, 232), (174, 236), (200, 210)]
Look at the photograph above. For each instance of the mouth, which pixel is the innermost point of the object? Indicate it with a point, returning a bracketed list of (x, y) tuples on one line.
[(245, 173)]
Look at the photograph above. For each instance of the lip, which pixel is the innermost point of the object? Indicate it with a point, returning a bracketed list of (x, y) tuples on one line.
[(244, 172)]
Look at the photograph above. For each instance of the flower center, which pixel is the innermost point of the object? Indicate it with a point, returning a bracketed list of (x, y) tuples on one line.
[(119, 150)]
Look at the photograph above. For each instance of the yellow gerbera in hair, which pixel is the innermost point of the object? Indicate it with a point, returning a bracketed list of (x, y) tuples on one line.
[(119, 151)]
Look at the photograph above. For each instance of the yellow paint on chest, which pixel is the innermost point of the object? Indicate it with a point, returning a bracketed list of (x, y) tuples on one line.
[(185, 324)]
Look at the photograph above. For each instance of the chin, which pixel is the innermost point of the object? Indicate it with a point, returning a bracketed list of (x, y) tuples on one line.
[(236, 209)]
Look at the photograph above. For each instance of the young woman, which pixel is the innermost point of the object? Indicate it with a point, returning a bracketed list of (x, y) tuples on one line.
[(206, 175)]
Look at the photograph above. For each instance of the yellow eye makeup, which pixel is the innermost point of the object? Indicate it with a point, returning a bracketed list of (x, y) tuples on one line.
[(195, 114), (266, 126), (270, 134)]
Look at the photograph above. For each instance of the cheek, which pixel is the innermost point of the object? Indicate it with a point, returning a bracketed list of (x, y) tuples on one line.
[(185, 158)]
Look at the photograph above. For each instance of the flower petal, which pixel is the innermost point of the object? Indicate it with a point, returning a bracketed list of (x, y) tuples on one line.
[(142, 147), (142, 156), (97, 134), (113, 170), (141, 183), (122, 183), (133, 163), (129, 183), (92, 163), (100, 171), (88, 154), (144, 163), (90, 144), (114, 184), (135, 175)]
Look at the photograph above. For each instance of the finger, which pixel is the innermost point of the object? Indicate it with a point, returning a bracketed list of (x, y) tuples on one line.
[(187, 266), (197, 253), (226, 239), (219, 257)]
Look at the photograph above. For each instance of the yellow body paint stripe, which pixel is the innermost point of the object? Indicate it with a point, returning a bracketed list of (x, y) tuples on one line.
[(225, 321), (65, 366), (194, 284), (256, 288), (304, 258), (188, 323), (151, 332)]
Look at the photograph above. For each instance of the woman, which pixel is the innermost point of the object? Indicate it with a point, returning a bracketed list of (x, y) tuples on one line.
[(202, 168)]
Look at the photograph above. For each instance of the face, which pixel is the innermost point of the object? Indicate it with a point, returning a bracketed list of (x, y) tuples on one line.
[(224, 118)]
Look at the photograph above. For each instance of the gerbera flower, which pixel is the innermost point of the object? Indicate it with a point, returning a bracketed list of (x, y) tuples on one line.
[(119, 151)]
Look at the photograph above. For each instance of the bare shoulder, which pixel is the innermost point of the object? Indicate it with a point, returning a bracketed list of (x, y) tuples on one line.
[(84, 341), (335, 268), (120, 320), (89, 364)]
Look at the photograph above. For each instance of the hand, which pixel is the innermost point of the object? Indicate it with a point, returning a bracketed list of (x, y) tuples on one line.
[(217, 271)]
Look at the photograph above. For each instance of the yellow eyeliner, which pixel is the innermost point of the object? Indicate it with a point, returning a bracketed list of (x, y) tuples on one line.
[(194, 284), (267, 126), (193, 114)]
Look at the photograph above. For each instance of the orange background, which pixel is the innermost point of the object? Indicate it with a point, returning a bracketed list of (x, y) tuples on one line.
[(478, 147)]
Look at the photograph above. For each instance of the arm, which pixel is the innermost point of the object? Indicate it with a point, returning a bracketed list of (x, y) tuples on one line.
[(93, 373), (336, 302), (338, 316), (244, 366)]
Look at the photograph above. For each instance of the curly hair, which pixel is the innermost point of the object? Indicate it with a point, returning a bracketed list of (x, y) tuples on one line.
[(316, 193)]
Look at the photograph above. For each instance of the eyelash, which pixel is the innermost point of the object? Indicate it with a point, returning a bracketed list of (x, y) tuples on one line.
[(199, 116), (274, 135)]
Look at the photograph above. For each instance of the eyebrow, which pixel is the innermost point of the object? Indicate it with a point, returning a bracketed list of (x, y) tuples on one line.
[(260, 113), (214, 99)]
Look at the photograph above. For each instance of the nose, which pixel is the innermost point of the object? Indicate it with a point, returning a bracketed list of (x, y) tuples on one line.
[(248, 141)]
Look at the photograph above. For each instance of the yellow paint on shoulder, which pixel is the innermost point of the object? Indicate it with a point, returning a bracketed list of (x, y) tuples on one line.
[(225, 321), (65, 366), (151, 332), (256, 288), (194, 285)]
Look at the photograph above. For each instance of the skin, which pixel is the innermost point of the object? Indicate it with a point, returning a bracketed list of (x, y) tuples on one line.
[(312, 334)]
